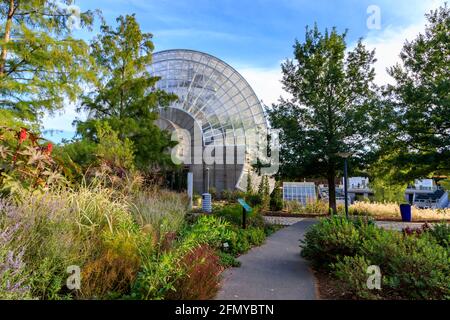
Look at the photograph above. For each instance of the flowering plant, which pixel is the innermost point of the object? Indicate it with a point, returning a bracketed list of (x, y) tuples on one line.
[(26, 161)]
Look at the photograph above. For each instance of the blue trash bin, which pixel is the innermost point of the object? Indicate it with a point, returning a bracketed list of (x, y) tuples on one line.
[(405, 210)]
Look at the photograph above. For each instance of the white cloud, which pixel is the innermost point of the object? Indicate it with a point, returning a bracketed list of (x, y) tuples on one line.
[(265, 82), (389, 41)]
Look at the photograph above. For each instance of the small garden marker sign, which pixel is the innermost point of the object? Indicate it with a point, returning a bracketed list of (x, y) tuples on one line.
[(246, 210)]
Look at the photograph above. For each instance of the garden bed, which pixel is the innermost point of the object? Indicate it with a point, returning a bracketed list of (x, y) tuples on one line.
[(414, 264)]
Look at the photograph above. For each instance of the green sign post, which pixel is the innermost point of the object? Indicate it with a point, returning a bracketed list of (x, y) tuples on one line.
[(246, 209)]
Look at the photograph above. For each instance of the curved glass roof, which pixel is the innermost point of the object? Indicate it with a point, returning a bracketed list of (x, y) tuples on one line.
[(216, 95)]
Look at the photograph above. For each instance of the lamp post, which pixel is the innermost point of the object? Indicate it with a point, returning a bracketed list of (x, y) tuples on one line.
[(207, 180), (345, 156)]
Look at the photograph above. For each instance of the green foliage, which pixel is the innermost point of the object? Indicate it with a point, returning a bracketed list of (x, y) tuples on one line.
[(227, 195), (331, 87), (209, 230), (441, 233), (227, 260), (14, 277), (330, 240), (26, 163), (159, 212), (387, 190), (264, 192), (352, 273), (413, 267), (254, 199), (417, 106), (249, 183), (76, 158), (445, 184), (42, 66), (276, 198), (214, 193), (233, 214), (125, 96), (112, 151), (158, 276)]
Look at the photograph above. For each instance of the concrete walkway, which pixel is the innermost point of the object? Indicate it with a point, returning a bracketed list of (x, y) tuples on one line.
[(274, 271)]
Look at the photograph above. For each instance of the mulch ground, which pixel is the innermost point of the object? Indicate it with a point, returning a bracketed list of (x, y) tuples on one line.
[(328, 288)]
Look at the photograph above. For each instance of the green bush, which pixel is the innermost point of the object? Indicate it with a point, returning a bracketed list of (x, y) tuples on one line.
[(158, 276), (233, 214), (413, 267), (254, 199), (255, 236), (276, 198), (227, 260), (352, 273), (329, 240), (208, 230), (239, 243), (441, 232)]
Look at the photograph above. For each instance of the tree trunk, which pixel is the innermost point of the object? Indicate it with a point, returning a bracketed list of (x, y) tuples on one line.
[(7, 37), (331, 176)]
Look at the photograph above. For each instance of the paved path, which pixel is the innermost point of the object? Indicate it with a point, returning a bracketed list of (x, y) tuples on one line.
[(274, 271), (390, 225)]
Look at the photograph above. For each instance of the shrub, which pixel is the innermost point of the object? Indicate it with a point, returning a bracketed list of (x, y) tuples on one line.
[(201, 275), (13, 274), (63, 228), (254, 199), (214, 193), (276, 198), (352, 273), (233, 214), (158, 275), (26, 163), (227, 195), (76, 157), (244, 239), (330, 240), (255, 236), (116, 268), (239, 243), (227, 260), (413, 267), (208, 230), (441, 232), (264, 192)]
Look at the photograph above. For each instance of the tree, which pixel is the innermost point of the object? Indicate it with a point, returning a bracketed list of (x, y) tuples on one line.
[(41, 64), (276, 197), (125, 96), (264, 192), (249, 184), (418, 142), (332, 107)]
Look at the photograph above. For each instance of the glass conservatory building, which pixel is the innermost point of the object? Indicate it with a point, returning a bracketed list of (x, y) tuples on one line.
[(218, 120)]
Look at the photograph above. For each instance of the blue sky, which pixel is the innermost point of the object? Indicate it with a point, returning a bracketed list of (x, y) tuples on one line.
[(254, 36)]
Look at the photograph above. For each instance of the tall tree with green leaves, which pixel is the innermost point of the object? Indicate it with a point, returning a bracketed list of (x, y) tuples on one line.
[(42, 66), (125, 96), (332, 107), (418, 142)]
